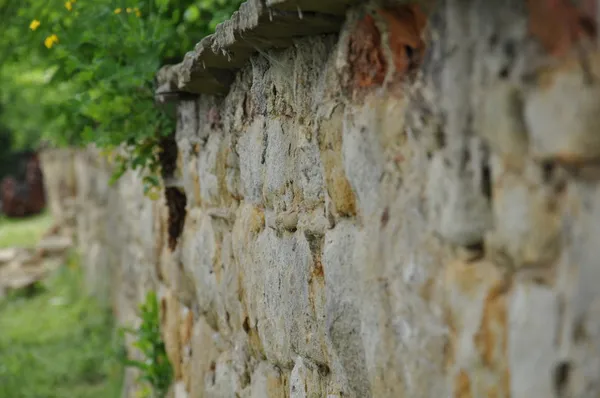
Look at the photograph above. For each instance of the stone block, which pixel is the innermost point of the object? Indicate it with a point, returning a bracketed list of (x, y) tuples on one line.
[(305, 381), (527, 217), (330, 142), (564, 102), (460, 211), (250, 148), (211, 169), (267, 382), (280, 298), (170, 326), (204, 353), (502, 122), (532, 370), (477, 317)]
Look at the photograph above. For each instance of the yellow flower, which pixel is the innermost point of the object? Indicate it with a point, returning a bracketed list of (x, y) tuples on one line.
[(69, 5), (128, 10), (118, 11), (50, 41), (34, 24), (138, 13)]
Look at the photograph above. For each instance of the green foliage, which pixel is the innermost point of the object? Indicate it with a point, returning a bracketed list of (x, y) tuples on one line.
[(155, 369), (58, 343), (79, 72)]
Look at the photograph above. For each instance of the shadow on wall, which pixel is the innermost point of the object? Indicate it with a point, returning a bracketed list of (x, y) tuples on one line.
[(25, 196)]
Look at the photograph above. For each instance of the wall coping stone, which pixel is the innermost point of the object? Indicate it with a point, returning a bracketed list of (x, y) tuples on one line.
[(257, 26)]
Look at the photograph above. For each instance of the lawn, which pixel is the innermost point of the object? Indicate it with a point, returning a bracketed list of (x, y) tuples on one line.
[(58, 342), (24, 232)]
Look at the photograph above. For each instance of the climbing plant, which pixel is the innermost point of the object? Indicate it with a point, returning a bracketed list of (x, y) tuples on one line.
[(155, 369), (83, 71)]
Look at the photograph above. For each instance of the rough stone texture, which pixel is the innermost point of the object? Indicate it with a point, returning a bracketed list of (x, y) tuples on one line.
[(430, 234), (59, 182)]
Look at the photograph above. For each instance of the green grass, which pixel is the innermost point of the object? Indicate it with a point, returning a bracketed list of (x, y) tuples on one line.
[(58, 343), (24, 232)]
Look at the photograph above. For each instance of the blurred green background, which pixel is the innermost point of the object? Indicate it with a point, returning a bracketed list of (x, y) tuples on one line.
[(79, 72)]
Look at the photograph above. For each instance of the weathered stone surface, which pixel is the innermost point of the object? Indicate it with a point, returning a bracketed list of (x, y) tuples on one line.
[(305, 380), (8, 254), (330, 141), (52, 245), (565, 90), (526, 216), (433, 233), (170, 324), (532, 372)]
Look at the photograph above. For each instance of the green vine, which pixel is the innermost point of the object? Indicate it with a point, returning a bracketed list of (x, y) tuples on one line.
[(156, 373)]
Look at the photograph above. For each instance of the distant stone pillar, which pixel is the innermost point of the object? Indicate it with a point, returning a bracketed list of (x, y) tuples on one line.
[(59, 184)]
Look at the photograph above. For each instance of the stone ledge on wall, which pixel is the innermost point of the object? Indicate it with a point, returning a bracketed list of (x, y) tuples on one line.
[(256, 27)]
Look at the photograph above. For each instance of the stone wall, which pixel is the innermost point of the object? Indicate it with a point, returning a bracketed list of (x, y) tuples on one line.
[(370, 202)]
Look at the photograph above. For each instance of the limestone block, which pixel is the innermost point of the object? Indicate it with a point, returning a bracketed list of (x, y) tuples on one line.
[(188, 151), (564, 102), (160, 213), (267, 382), (584, 205), (330, 142), (211, 168), (280, 298), (305, 381), (185, 337), (205, 351), (532, 320), (477, 318), (199, 257), (527, 216), (179, 390), (54, 245), (7, 255), (232, 169), (225, 380), (578, 271), (502, 123), (461, 213), (97, 272), (278, 165), (363, 156), (308, 171), (188, 118), (170, 327), (84, 176), (101, 187), (144, 228), (343, 319), (231, 310), (250, 148)]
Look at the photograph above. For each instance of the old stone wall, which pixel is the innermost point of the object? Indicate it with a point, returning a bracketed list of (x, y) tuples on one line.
[(391, 201)]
